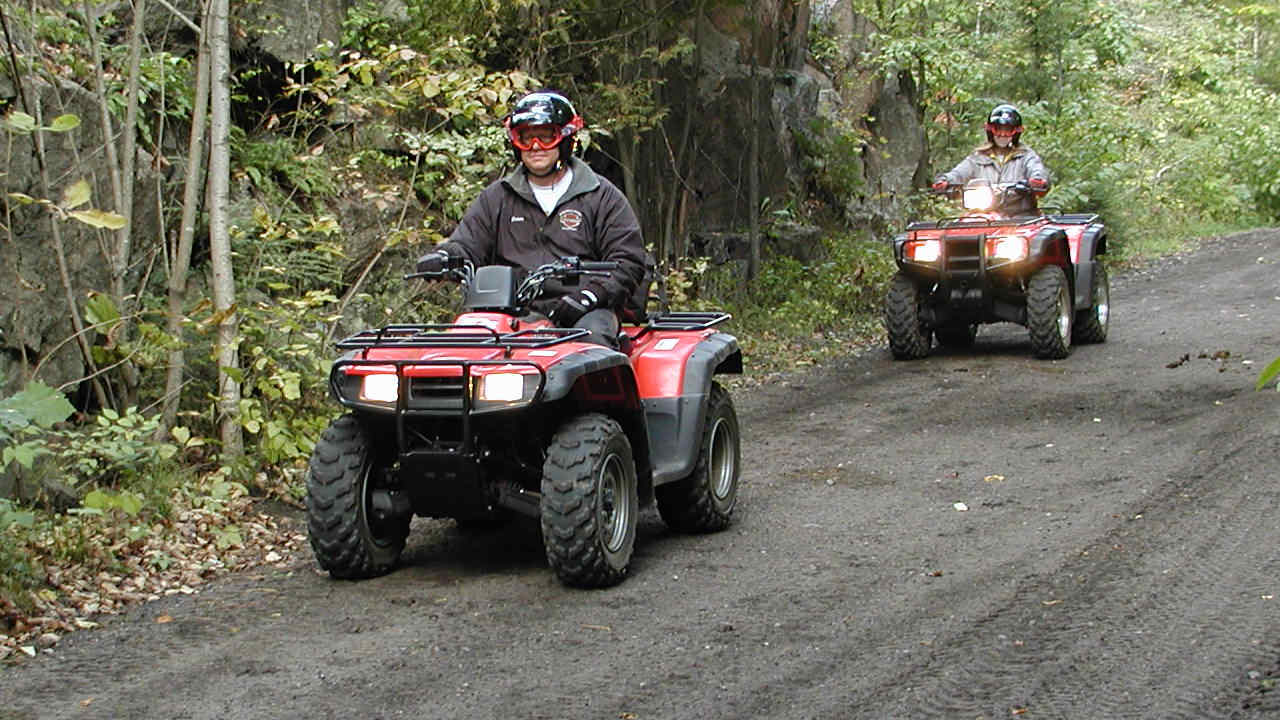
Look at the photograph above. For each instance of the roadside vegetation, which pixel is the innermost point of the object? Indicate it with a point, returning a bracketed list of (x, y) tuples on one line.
[(1158, 114)]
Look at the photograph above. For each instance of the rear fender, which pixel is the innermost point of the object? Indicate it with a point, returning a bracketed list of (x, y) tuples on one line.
[(676, 411), (1092, 243)]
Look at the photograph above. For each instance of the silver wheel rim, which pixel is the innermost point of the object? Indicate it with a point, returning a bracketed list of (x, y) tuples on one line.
[(723, 460), (1102, 298), (613, 511), (1064, 313)]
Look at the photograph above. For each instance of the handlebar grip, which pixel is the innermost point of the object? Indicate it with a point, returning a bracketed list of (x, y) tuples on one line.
[(598, 265)]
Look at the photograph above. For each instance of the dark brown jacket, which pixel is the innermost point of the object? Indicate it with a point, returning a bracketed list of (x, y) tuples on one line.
[(593, 221)]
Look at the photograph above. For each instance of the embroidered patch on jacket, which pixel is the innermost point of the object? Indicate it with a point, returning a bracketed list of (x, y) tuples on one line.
[(570, 219)]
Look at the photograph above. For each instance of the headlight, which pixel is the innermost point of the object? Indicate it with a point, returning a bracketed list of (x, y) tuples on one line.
[(505, 388), (500, 387), (1007, 248), (382, 388), (922, 251), (980, 197)]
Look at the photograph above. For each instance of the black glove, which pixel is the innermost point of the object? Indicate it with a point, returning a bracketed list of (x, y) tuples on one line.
[(570, 308), (433, 262), (1022, 187)]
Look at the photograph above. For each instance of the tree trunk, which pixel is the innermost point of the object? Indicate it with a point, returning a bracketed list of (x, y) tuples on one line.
[(753, 150), (224, 286), (181, 258), (64, 274)]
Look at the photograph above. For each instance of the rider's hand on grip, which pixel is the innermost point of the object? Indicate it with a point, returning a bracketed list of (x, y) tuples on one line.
[(569, 308), (1022, 187), (433, 262), (1038, 185), (939, 184)]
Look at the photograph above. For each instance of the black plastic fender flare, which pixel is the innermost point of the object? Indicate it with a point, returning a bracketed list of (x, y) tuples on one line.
[(1092, 244), (563, 375), (1050, 247), (675, 424)]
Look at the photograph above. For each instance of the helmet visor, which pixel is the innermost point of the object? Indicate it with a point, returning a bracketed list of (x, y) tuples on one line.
[(538, 137), (1002, 130)]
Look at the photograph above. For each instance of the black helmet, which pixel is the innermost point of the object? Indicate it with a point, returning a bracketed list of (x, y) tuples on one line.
[(1004, 117), (544, 108)]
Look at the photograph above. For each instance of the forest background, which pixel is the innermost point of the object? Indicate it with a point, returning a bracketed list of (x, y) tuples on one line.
[(205, 350)]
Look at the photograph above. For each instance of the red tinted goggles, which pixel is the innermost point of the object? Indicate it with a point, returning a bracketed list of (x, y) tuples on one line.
[(1003, 130), (542, 137)]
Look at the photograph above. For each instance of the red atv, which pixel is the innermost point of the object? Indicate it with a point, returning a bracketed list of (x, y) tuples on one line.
[(1041, 271), (501, 412)]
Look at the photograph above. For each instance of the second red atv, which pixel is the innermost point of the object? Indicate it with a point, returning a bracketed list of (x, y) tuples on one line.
[(1041, 271), (501, 412)]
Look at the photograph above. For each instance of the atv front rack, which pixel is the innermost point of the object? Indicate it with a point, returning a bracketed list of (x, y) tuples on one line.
[(448, 335), (981, 221)]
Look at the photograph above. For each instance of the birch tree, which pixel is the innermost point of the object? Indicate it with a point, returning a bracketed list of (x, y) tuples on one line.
[(224, 285)]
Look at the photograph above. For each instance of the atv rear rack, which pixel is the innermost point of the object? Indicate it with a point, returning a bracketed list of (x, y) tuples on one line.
[(686, 320)]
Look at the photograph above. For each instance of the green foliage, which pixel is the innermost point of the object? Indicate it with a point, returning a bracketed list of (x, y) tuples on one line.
[(1269, 374), (23, 417), (281, 167), (833, 156), (284, 376), (114, 449)]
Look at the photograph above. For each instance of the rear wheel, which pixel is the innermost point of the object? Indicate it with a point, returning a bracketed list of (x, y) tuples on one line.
[(1092, 323), (704, 501), (590, 502), (909, 339), (1049, 313), (354, 533), (957, 336)]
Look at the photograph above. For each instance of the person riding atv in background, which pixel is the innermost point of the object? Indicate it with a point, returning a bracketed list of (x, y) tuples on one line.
[(553, 206), (1003, 159)]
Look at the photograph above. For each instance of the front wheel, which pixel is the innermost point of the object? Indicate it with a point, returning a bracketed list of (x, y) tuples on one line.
[(1092, 323), (1049, 313), (704, 501), (909, 339), (352, 534), (590, 502)]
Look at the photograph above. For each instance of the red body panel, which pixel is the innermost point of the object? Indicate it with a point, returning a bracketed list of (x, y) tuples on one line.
[(660, 359)]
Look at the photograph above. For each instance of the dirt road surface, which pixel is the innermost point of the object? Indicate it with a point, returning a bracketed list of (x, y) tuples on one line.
[(975, 535)]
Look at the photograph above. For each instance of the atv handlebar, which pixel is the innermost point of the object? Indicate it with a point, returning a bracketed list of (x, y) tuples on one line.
[(460, 268), (522, 287), (953, 190)]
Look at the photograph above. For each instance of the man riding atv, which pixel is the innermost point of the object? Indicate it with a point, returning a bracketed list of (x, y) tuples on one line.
[(551, 206), (1002, 260), (1003, 159)]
